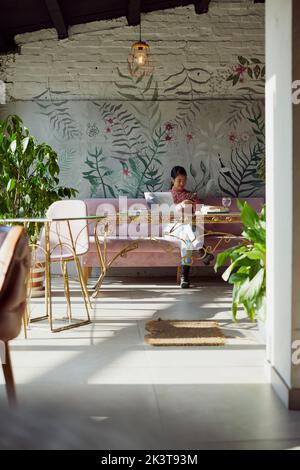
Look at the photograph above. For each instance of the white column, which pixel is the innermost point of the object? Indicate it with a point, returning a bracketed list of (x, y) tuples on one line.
[(279, 195)]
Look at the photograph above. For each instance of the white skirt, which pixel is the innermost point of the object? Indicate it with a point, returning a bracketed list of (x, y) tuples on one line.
[(187, 236)]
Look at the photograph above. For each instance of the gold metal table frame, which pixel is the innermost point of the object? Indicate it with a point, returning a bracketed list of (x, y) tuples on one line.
[(102, 233)]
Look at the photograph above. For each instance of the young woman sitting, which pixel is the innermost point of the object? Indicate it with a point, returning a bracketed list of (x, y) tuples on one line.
[(183, 198)]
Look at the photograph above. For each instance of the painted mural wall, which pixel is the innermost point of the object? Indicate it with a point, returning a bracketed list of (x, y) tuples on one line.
[(128, 146)]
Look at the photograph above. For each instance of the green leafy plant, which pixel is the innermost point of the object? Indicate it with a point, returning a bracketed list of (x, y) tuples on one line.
[(247, 271), (29, 173)]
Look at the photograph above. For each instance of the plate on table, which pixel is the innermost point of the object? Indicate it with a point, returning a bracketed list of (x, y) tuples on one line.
[(213, 210)]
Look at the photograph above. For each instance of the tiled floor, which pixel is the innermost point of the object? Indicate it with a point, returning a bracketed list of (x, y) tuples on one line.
[(101, 386)]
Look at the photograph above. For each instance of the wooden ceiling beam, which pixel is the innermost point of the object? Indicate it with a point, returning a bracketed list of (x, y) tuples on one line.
[(201, 6), (134, 12), (7, 44), (57, 18)]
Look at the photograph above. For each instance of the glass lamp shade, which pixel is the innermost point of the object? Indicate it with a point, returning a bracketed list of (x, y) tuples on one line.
[(139, 60)]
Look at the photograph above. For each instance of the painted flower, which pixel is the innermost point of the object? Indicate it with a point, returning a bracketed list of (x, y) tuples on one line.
[(108, 130), (240, 70), (110, 120), (125, 171), (233, 138), (245, 137), (92, 130), (211, 136), (189, 137), (169, 126), (168, 138)]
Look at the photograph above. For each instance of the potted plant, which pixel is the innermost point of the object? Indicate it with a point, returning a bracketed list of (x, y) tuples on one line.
[(29, 177), (247, 269)]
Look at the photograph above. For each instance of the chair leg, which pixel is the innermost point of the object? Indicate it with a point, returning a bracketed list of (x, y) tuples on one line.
[(9, 378), (67, 289), (87, 271), (84, 284), (98, 284), (25, 320), (85, 294)]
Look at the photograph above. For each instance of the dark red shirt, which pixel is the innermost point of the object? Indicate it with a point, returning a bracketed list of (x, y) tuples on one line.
[(184, 195)]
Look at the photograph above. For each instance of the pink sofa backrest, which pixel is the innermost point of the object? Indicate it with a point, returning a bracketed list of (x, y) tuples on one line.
[(97, 206), (255, 202), (235, 229), (108, 205)]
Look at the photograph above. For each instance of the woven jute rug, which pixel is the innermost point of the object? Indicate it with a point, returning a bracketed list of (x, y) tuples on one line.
[(184, 333)]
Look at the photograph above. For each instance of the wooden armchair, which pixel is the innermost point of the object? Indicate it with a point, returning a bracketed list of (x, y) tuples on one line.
[(14, 268)]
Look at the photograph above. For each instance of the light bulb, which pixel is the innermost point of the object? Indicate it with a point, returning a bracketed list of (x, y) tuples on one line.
[(140, 58)]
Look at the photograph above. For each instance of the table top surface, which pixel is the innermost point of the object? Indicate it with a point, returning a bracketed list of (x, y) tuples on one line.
[(223, 216)]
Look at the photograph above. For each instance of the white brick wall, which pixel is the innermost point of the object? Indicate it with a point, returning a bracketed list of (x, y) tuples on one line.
[(85, 64)]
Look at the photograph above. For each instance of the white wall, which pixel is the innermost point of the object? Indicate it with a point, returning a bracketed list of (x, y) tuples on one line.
[(85, 65), (53, 85), (279, 158)]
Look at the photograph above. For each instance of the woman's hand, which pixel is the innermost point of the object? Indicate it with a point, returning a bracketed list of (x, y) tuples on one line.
[(186, 204)]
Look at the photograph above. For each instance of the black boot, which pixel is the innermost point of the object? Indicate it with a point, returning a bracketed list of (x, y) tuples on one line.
[(185, 277), (208, 258)]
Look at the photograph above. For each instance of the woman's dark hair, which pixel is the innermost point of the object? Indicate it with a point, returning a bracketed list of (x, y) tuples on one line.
[(176, 171)]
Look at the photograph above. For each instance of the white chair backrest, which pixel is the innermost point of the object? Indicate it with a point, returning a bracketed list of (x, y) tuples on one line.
[(68, 237)]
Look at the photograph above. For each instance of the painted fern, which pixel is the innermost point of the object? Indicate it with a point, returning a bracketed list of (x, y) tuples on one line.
[(56, 109), (240, 179), (99, 175), (144, 89), (145, 171), (187, 84)]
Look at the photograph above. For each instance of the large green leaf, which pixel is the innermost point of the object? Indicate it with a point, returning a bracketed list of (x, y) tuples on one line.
[(248, 215), (222, 258), (230, 269), (252, 288)]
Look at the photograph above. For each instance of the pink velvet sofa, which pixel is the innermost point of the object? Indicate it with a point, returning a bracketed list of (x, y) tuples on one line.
[(149, 253)]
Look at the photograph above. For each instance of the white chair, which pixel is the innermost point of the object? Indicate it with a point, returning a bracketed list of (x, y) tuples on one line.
[(61, 241)]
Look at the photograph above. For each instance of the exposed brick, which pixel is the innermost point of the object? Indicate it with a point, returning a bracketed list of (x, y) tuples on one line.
[(85, 64)]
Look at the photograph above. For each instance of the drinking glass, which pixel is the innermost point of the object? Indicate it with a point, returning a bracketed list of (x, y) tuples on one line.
[(226, 202)]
